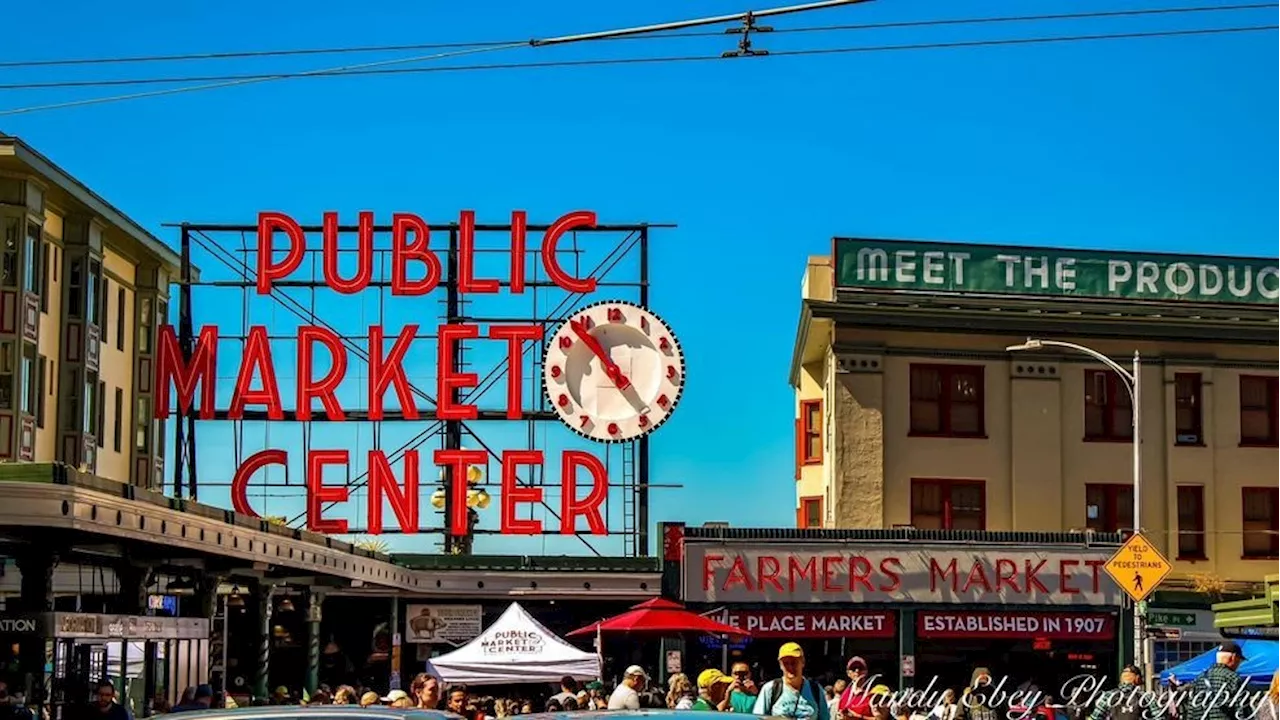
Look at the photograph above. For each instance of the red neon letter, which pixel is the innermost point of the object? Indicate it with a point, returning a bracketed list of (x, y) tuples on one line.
[(519, 222), (515, 335), (202, 369), (513, 492), (572, 221), (467, 282), (448, 380), (570, 506), (401, 225), (240, 483), (268, 270), (390, 371), (459, 460), (383, 482), (318, 494), (364, 254), (308, 336), (257, 356)]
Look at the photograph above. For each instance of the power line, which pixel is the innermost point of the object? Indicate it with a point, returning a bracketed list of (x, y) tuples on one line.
[(357, 49), (561, 40), (224, 80)]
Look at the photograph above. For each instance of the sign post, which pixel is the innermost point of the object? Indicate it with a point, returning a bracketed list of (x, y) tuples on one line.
[(1138, 568)]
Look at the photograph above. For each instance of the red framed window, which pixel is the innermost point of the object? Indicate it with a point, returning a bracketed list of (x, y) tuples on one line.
[(948, 504), (1188, 415), (947, 401), (1258, 513), (1108, 507), (809, 432), (809, 514), (1108, 409), (1191, 522), (1258, 410)]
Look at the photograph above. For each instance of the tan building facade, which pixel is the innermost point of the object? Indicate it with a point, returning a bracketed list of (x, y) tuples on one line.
[(82, 292), (911, 412)]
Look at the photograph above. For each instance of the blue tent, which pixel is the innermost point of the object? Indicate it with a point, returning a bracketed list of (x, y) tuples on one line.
[(1262, 660)]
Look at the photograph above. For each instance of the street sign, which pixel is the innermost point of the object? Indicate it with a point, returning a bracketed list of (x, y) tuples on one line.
[(1138, 567), (1164, 633), (1172, 618)]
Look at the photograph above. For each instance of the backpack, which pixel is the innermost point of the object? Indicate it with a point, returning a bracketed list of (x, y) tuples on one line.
[(775, 693)]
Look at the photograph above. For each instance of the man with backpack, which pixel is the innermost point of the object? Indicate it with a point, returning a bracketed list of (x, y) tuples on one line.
[(793, 695)]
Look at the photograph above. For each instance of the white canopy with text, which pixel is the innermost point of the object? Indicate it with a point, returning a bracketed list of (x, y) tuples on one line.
[(515, 649)]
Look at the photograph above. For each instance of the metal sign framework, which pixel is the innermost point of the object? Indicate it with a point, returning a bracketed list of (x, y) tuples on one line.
[(603, 252)]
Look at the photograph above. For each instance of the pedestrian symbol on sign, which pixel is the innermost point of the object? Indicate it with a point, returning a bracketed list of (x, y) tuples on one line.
[(1137, 582), (1138, 567)]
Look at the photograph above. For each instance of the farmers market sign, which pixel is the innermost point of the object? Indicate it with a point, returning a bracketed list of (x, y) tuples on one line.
[(994, 270)]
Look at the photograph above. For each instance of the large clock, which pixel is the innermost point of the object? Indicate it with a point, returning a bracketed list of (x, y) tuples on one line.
[(613, 371)]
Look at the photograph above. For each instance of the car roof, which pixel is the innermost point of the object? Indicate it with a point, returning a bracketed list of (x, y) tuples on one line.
[(273, 712)]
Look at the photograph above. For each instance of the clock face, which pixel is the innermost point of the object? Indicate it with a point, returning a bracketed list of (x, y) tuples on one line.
[(613, 371)]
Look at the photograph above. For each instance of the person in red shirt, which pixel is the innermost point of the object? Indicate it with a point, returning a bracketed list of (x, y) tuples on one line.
[(855, 702)]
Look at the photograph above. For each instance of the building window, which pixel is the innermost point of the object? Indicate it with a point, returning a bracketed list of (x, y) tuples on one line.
[(105, 316), (142, 423), (949, 504), (1257, 410), (93, 283), (46, 259), (42, 382), (1108, 507), (30, 393), (101, 427), (947, 401), (809, 515), (12, 228), (1189, 418), (6, 375), (117, 423), (1108, 409), (1191, 522), (1259, 514), (144, 325), (31, 259), (120, 299), (810, 432)]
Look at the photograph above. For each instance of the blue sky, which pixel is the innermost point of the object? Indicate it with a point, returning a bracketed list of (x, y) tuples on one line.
[(1139, 144)]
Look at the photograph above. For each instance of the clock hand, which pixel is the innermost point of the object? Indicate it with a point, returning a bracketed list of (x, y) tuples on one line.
[(611, 368)]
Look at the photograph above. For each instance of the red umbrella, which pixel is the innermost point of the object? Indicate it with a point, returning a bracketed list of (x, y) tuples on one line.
[(660, 616)]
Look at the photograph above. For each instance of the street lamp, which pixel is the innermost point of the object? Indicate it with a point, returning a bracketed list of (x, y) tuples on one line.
[(1132, 383), (477, 499)]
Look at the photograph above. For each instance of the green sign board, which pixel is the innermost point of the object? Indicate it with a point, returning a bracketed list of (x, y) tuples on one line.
[(1044, 272), (1171, 618)]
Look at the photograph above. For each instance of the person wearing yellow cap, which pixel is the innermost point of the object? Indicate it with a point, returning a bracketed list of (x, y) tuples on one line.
[(713, 687), (792, 695)]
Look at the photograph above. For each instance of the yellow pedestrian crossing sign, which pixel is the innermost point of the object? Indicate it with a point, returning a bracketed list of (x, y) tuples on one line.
[(1138, 567)]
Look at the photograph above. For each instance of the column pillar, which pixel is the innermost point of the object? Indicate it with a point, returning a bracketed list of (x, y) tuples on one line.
[(262, 674), (134, 581), (855, 460), (396, 640), (36, 567), (315, 612), (211, 607), (906, 643)]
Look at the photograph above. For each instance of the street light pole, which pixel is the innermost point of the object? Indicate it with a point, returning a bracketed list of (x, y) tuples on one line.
[(1132, 382)]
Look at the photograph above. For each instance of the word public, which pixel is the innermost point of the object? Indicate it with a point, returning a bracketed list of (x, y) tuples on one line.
[(257, 385)]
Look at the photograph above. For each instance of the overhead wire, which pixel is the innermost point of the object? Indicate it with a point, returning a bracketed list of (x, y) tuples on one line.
[(414, 47), (378, 67), (226, 80)]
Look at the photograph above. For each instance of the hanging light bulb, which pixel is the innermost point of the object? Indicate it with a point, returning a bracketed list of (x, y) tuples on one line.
[(474, 474), (482, 499), (286, 605), (473, 497), (437, 499), (441, 474)]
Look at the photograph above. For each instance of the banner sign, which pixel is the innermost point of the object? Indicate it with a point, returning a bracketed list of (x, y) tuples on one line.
[(1044, 272), (819, 573), (813, 623), (451, 624), (1014, 625), (416, 270)]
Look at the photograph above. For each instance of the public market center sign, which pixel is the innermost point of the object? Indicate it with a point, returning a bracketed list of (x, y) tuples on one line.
[(1045, 272)]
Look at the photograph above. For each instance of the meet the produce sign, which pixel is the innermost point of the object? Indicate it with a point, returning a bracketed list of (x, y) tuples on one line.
[(893, 265)]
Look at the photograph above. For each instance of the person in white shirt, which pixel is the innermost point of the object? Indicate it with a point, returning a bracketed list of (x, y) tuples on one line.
[(627, 695), (793, 695)]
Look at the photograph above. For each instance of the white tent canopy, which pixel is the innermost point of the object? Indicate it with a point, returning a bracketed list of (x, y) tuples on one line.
[(515, 649)]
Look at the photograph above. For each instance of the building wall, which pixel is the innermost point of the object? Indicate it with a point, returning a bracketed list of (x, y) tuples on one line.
[(116, 371), (1033, 459), (51, 340)]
